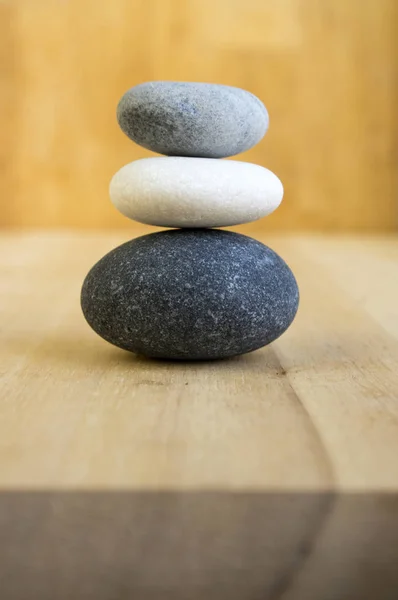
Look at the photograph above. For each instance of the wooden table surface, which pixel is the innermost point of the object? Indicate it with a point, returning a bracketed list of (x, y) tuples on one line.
[(314, 416)]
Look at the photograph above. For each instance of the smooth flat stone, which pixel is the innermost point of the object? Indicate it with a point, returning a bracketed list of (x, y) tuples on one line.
[(194, 192), (192, 119), (190, 294)]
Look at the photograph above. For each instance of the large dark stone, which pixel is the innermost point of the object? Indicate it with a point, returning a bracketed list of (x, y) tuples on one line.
[(190, 294)]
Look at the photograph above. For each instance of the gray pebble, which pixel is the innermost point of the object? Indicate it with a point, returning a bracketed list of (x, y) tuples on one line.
[(190, 294), (192, 119)]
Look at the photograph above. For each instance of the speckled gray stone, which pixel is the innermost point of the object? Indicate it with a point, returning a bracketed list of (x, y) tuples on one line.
[(190, 294), (192, 119)]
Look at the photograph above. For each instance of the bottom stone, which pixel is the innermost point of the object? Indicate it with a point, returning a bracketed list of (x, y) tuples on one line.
[(190, 294)]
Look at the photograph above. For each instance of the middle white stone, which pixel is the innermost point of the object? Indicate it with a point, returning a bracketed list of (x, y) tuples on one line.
[(194, 192)]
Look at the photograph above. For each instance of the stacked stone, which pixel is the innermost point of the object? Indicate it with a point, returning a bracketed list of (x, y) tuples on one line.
[(192, 292)]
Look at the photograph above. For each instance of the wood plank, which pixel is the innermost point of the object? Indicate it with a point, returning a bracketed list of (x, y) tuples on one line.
[(193, 545), (316, 410)]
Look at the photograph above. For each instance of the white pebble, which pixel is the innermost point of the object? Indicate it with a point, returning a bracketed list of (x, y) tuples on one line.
[(194, 192)]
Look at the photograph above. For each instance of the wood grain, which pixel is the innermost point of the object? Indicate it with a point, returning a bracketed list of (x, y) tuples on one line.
[(316, 410), (272, 475), (326, 71), (195, 545)]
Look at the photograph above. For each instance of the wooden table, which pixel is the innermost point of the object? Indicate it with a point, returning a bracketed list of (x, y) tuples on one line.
[(269, 475)]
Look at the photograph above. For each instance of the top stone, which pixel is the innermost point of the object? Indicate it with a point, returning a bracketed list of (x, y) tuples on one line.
[(192, 119)]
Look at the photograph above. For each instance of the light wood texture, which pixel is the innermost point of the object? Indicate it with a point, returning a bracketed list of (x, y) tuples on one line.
[(325, 69), (273, 475), (316, 410)]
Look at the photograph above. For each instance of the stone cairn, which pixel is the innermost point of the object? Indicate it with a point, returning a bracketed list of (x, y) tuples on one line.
[(192, 292)]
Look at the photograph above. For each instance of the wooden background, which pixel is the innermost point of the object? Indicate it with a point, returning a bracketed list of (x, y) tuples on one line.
[(326, 69)]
